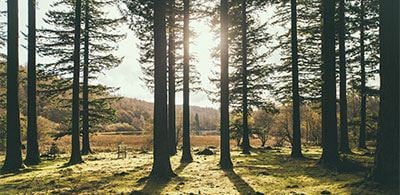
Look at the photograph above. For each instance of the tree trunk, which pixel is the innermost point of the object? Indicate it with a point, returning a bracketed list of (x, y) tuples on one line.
[(246, 141), (32, 152), (344, 133), (296, 147), (161, 164), (329, 127), (386, 169), (75, 145), (85, 90), (363, 114), (13, 161), (171, 79), (225, 161), (186, 155)]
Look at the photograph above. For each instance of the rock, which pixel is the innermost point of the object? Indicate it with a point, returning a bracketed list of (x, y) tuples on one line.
[(326, 192), (206, 151)]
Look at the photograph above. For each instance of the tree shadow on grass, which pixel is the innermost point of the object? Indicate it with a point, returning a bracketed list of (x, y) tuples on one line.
[(242, 186), (155, 186)]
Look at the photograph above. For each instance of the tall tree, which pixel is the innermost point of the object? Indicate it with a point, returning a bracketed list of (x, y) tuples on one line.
[(330, 155), (225, 158), (363, 111), (13, 161), (246, 140), (296, 147), (186, 154), (161, 163), (171, 78), (32, 152), (85, 89), (75, 145), (386, 168), (344, 134)]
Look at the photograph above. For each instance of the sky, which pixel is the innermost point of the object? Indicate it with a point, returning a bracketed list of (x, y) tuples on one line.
[(127, 75)]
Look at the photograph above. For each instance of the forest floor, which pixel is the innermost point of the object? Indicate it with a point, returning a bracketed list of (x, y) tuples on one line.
[(268, 171)]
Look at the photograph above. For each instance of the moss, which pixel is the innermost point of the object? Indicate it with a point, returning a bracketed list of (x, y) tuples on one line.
[(265, 171)]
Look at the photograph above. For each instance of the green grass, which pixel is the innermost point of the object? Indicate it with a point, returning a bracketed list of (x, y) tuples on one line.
[(265, 171)]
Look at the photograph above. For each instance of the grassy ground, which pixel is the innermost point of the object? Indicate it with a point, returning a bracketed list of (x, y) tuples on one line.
[(265, 171)]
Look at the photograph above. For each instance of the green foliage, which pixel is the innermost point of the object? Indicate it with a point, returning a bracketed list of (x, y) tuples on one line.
[(258, 69), (309, 51), (140, 17), (56, 43)]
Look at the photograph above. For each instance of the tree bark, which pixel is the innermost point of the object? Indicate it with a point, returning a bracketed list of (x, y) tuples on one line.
[(13, 161), (344, 133), (363, 113), (75, 145), (85, 89), (171, 80), (186, 154), (330, 155), (32, 152), (296, 147), (161, 164), (386, 168), (225, 159)]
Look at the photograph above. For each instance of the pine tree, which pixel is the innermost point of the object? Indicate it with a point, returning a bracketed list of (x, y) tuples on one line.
[(186, 153), (344, 135), (32, 152), (75, 146), (225, 159), (386, 168), (13, 161), (161, 163), (100, 36), (330, 155)]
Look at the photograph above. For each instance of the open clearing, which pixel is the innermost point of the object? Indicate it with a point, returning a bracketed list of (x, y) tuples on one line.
[(268, 171)]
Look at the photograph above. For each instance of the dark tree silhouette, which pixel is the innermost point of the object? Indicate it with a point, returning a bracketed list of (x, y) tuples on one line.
[(386, 169), (171, 79), (32, 152), (186, 155), (363, 111), (161, 164), (85, 89), (344, 133), (225, 159), (13, 161), (329, 127), (75, 145), (246, 141), (296, 146)]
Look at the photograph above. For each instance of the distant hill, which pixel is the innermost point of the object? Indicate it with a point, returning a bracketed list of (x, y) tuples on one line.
[(138, 114)]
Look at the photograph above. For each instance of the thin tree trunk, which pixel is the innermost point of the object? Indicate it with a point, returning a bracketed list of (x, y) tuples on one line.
[(363, 114), (344, 133), (330, 155), (296, 147), (32, 152), (386, 169), (246, 141), (186, 155), (171, 79), (85, 90), (225, 159), (13, 161), (75, 145), (161, 164)]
